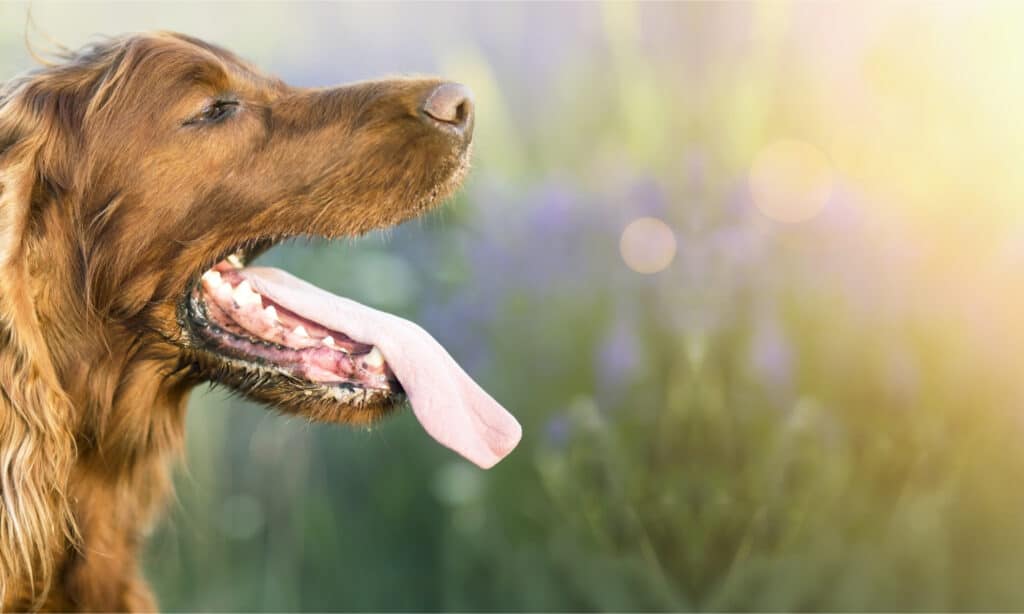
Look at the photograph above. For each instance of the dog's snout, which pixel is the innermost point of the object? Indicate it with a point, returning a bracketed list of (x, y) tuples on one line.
[(451, 106)]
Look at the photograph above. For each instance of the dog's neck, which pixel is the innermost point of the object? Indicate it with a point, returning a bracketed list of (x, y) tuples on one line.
[(130, 400), (126, 384), (129, 397), (127, 388)]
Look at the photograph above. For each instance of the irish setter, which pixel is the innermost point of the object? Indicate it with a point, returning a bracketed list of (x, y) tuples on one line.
[(137, 178)]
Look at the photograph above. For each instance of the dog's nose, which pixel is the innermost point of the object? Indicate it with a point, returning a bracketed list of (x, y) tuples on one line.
[(451, 105)]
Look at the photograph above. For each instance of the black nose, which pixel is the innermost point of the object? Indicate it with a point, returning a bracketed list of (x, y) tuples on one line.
[(450, 106)]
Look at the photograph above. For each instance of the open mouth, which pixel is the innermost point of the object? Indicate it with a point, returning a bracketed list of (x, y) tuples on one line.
[(265, 337), (284, 341)]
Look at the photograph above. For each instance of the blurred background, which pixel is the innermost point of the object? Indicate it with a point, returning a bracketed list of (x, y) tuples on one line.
[(750, 275)]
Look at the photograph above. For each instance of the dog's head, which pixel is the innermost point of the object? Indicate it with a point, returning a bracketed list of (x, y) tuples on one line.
[(137, 179), (189, 141)]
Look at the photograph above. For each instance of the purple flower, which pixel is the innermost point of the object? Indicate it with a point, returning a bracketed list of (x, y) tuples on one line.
[(553, 216), (558, 430), (619, 356), (646, 197), (771, 356)]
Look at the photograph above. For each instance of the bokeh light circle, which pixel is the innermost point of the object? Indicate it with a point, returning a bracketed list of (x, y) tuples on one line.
[(790, 181), (647, 245)]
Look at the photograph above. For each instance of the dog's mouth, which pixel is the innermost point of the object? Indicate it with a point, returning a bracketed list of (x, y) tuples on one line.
[(282, 340), (249, 326)]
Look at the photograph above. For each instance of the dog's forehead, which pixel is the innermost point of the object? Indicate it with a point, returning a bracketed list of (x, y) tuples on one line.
[(191, 61)]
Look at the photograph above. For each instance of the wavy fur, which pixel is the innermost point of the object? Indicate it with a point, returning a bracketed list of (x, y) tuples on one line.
[(112, 202)]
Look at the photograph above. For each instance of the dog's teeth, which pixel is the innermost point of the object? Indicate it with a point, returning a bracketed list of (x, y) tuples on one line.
[(271, 313), (374, 358), (328, 341), (212, 279), (300, 331), (244, 295), (223, 293), (235, 261)]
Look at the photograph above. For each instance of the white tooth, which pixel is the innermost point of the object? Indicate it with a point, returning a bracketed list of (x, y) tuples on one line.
[(234, 261), (374, 358), (223, 292), (244, 295), (212, 279), (271, 313), (300, 331), (328, 341)]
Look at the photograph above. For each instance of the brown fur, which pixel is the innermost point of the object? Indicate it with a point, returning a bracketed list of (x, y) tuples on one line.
[(111, 204)]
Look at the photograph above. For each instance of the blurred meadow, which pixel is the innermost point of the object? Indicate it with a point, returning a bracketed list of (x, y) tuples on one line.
[(750, 275)]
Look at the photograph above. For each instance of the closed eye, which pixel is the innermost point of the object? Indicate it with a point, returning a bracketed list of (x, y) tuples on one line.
[(215, 112)]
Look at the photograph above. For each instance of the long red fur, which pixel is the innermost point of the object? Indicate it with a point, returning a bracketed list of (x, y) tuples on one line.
[(110, 205)]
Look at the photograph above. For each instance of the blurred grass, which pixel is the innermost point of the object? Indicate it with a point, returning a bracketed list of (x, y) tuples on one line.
[(815, 416)]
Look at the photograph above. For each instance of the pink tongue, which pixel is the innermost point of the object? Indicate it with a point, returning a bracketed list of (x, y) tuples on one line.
[(449, 405)]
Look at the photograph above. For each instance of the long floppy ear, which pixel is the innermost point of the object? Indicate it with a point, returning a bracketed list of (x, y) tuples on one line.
[(36, 438)]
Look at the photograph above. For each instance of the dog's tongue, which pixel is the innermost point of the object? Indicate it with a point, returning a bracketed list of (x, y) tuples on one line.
[(450, 406)]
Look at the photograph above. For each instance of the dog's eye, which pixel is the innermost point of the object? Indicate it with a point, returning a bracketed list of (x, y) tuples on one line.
[(215, 112)]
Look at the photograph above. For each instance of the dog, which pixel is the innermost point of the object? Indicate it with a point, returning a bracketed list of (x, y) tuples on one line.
[(138, 177)]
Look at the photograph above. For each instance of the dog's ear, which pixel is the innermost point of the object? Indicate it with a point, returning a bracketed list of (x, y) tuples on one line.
[(36, 440)]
